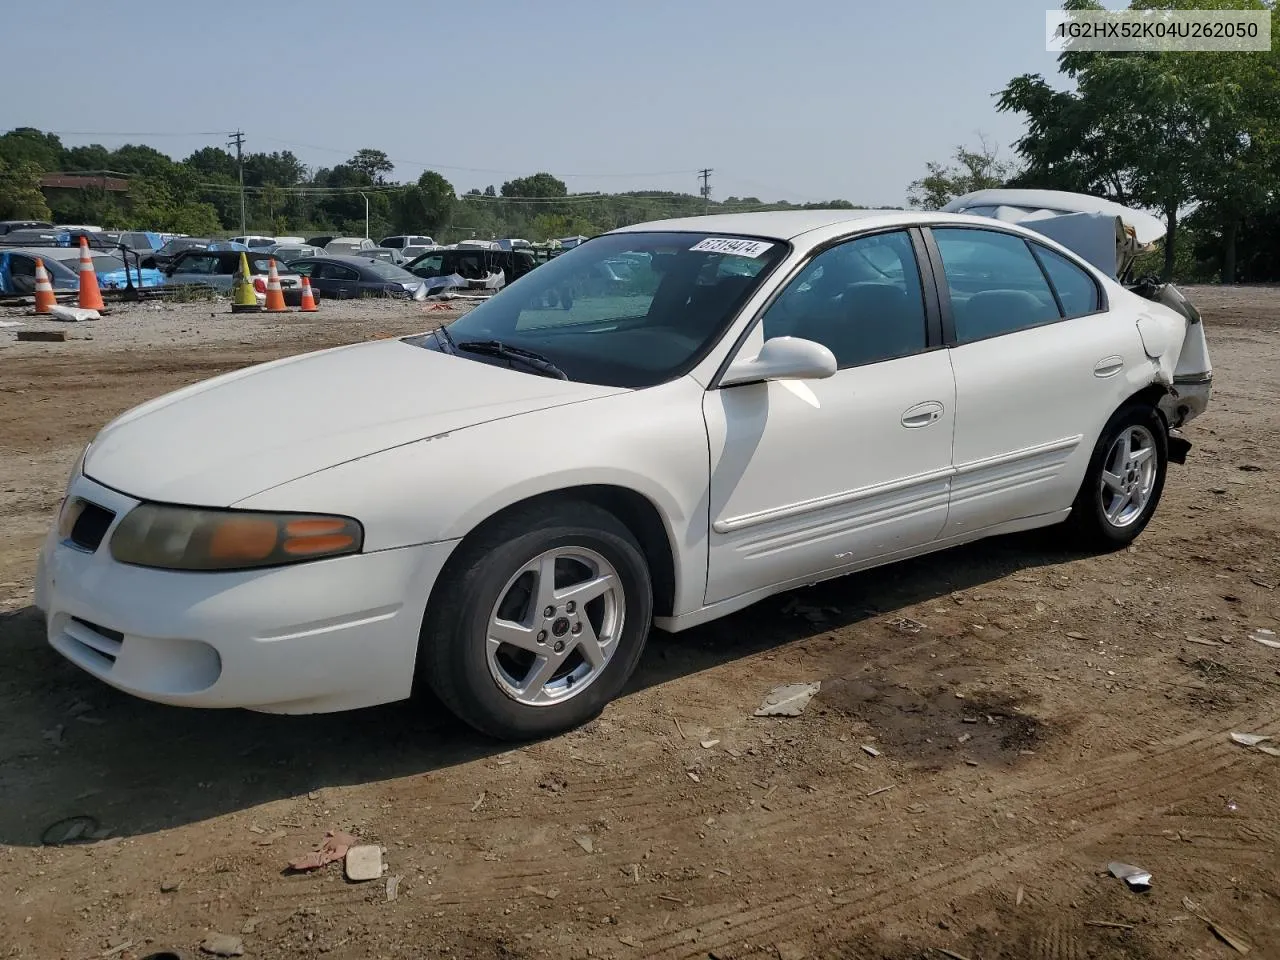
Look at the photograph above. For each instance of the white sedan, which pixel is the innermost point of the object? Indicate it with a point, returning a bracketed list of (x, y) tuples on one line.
[(502, 508)]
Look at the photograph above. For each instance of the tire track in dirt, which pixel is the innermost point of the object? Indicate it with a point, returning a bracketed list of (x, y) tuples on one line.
[(1169, 782)]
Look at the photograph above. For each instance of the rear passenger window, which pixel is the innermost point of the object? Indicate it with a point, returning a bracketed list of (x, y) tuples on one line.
[(1076, 289), (995, 283)]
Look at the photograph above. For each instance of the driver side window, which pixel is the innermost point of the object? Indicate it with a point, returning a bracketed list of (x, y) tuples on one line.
[(861, 299)]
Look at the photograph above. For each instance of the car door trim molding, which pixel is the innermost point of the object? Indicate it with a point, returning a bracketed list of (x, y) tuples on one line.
[(1013, 456), (748, 520)]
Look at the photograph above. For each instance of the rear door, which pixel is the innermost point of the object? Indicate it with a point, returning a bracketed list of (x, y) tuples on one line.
[(1040, 366)]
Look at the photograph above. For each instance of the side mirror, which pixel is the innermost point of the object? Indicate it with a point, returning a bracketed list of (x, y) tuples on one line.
[(782, 358)]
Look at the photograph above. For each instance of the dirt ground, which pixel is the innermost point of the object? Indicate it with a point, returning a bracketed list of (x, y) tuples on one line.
[(1031, 715)]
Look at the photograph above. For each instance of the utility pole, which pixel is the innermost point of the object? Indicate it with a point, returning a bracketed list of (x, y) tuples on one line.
[(366, 215), (705, 174), (237, 141)]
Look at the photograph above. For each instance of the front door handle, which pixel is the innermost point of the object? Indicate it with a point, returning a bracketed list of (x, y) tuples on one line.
[(922, 414)]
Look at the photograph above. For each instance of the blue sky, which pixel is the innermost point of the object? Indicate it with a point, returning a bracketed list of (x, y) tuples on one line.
[(799, 100)]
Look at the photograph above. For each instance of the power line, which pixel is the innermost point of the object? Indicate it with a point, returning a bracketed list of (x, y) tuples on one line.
[(705, 174), (135, 133), (446, 166)]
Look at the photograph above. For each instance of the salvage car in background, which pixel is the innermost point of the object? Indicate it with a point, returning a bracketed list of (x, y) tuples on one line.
[(287, 252), (18, 271), (345, 278), (342, 246), (501, 507), (163, 256), (473, 264), (112, 273), (216, 269), (385, 254), (405, 241)]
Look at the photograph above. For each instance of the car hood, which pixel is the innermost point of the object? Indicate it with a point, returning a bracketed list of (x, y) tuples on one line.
[(217, 442)]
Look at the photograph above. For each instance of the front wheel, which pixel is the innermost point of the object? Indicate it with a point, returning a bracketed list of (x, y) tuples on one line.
[(1125, 478), (537, 621)]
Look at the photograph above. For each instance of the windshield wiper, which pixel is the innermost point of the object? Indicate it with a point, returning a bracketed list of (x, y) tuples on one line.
[(496, 348), (448, 338)]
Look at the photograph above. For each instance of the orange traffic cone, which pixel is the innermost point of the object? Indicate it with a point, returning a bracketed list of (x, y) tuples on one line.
[(45, 300), (90, 295), (275, 296), (308, 298)]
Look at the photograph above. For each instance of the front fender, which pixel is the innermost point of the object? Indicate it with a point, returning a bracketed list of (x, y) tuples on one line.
[(652, 442)]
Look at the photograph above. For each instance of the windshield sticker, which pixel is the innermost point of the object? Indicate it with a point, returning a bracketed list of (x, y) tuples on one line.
[(733, 245)]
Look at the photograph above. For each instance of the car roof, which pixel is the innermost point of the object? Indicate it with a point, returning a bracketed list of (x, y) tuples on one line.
[(58, 253), (827, 224), (343, 258), (775, 224)]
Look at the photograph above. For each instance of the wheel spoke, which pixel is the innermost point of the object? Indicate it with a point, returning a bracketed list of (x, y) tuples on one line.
[(589, 646), (543, 669), (1117, 508), (546, 591), (515, 634), (1141, 455), (1126, 445), (588, 590), (1114, 481)]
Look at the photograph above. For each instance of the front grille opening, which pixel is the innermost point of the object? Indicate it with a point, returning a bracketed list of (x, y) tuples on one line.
[(91, 526), (105, 650)]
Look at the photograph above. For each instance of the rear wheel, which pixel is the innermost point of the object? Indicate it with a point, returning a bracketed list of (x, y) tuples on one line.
[(1125, 479), (537, 621)]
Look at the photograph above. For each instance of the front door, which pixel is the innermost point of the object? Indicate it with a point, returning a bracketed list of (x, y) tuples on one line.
[(811, 476)]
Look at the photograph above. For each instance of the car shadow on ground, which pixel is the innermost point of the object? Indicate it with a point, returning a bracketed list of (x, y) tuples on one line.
[(70, 745)]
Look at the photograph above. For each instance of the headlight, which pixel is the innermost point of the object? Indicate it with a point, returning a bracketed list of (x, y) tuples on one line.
[(77, 469), (187, 538)]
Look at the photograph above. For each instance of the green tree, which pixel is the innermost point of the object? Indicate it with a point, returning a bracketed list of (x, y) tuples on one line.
[(196, 219), (374, 164), (427, 205), (213, 162), (32, 146), (281, 168), (539, 185), (1161, 130), (93, 157), (20, 195), (979, 169)]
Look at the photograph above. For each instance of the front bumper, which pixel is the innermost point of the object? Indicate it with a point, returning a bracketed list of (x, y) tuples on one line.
[(314, 637)]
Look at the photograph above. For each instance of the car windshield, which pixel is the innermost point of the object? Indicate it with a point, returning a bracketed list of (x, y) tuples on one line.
[(633, 327), (178, 244), (100, 264), (389, 271)]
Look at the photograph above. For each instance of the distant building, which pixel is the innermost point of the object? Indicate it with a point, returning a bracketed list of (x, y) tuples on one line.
[(56, 186)]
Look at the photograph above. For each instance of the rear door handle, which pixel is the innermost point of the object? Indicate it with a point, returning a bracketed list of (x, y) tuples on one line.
[(1108, 367), (922, 414)]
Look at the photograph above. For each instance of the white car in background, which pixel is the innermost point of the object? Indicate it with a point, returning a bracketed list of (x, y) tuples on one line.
[(502, 508)]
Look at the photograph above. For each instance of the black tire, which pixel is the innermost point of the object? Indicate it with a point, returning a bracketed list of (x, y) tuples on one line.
[(1088, 522), (452, 652)]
